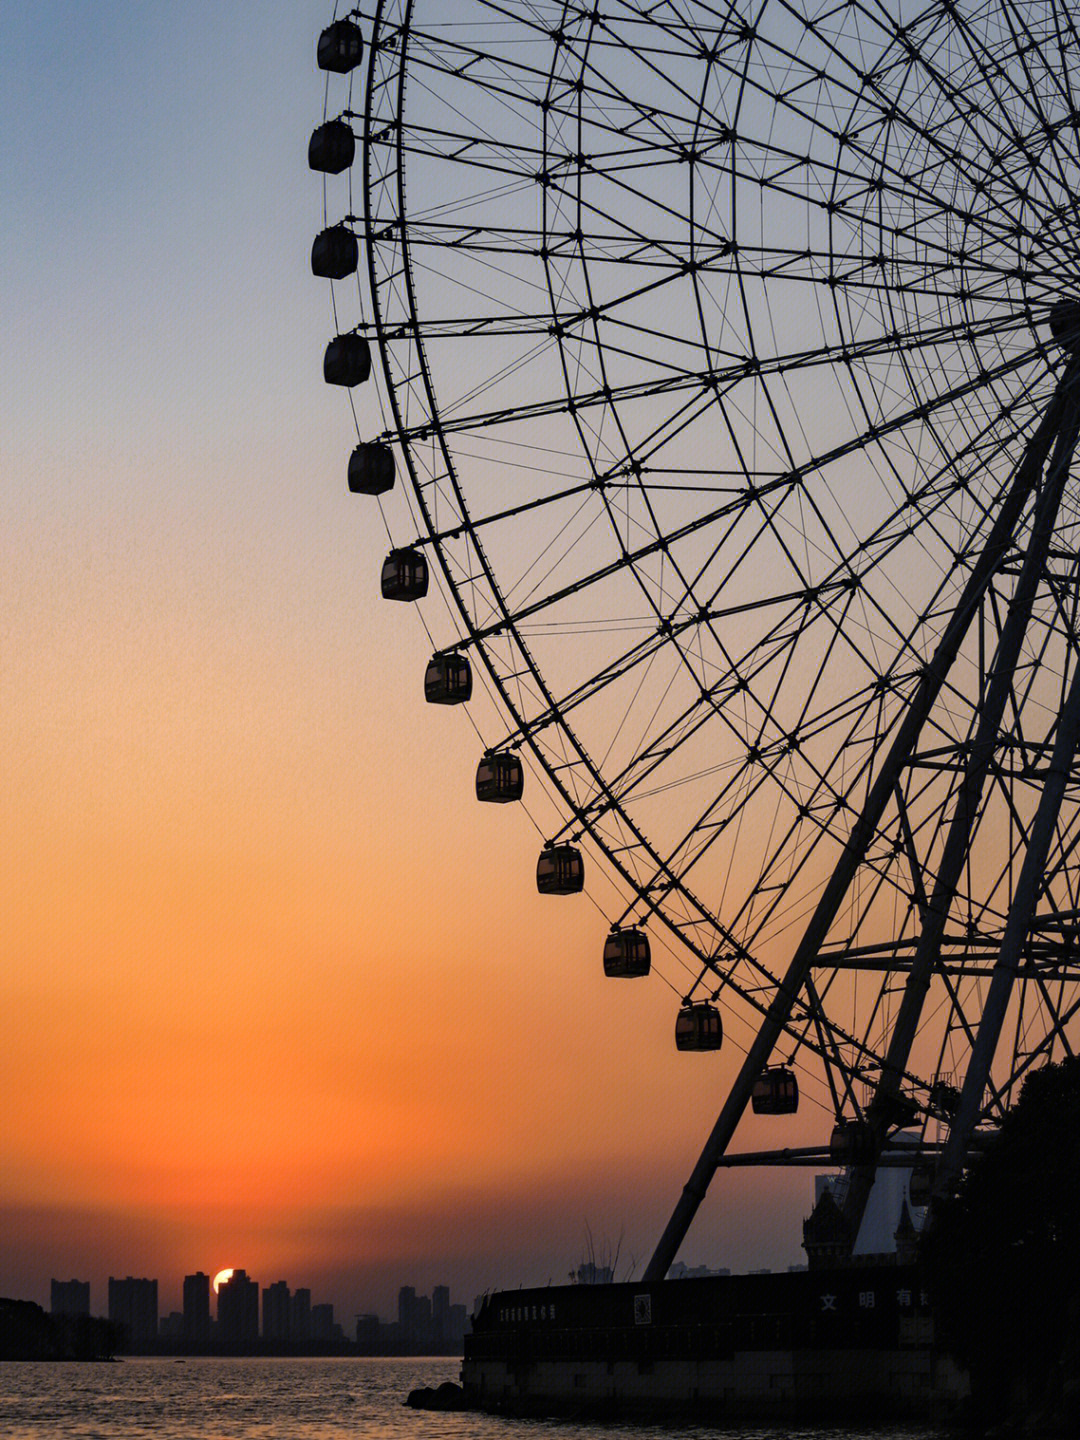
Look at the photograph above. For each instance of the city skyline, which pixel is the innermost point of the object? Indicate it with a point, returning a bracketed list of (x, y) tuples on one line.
[(231, 1312), (75, 1296)]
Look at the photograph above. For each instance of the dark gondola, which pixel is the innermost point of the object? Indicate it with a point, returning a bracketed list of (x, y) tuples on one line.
[(332, 147), (340, 48), (627, 954), (851, 1143), (560, 870), (404, 575), (371, 469), (335, 253), (500, 778), (776, 1092), (347, 360), (448, 680), (698, 1027)]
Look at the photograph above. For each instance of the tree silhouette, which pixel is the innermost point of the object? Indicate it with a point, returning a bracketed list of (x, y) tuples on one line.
[(1002, 1258)]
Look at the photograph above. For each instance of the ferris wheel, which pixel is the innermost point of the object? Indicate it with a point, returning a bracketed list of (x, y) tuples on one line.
[(731, 355)]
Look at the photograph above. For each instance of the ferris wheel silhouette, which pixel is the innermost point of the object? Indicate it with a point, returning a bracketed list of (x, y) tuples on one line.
[(732, 354)]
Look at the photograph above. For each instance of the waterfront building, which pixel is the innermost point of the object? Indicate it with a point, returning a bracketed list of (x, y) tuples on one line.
[(300, 1317), (238, 1312), (826, 1233), (322, 1324), (440, 1314), (69, 1297), (133, 1303), (414, 1320), (196, 1329), (275, 1313), (456, 1333)]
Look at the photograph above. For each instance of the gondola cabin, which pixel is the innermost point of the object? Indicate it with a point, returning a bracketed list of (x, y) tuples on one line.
[(775, 1092), (404, 575), (500, 778), (332, 148), (560, 870), (698, 1027), (851, 1143), (335, 253), (347, 360), (627, 954), (340, 48), (371, 469), (920, 1185), (448, 680)]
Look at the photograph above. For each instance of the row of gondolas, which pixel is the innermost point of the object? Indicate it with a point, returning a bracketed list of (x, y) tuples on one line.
[(560, 869)]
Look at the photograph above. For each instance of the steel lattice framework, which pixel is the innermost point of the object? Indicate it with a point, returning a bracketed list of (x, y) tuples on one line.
[(731, 353)]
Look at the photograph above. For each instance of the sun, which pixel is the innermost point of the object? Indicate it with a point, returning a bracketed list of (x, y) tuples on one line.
[(221, 1278)]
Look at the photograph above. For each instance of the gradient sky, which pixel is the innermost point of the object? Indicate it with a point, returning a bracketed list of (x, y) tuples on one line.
[(275, 991)]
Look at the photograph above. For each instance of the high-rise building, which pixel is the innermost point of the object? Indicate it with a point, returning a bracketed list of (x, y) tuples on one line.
[(322, 1323), (69, 1297), (406, 1307), (238, 1312), (197, 1310), (275, 1312), (414, 1319), (440, 1314), (300, 1317), (134, 1304)]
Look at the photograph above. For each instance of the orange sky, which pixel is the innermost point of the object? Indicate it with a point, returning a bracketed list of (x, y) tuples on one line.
[(275, 992), (282, 995)]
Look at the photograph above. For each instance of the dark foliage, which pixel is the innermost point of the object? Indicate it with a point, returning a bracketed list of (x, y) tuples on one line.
[(1003, 1256), (28, 1333)]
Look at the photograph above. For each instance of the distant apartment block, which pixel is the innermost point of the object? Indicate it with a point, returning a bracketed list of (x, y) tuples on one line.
[(414, 1319), (69, 1297), (440, 1314), (276, 1302), (238, 1312), (423, 1325), (323, 1330), (134, 1305), (197, 1310), (300, 1317)]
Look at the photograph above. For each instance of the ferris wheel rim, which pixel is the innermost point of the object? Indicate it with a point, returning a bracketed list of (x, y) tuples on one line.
[(796, 1031), (524, 734)]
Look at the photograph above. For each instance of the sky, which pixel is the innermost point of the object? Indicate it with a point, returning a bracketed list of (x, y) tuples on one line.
[(275, 992)]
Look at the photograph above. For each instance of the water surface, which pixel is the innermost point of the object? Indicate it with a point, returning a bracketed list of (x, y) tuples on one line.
[(279, 1399)]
